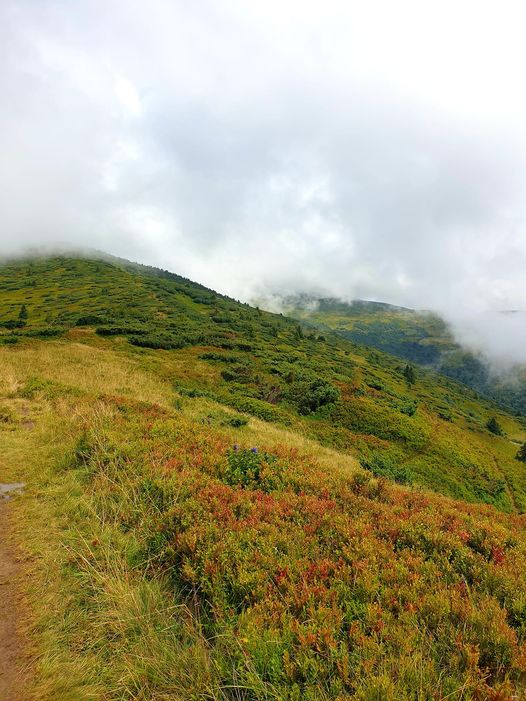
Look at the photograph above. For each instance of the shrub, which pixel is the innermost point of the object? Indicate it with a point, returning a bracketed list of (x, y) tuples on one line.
[(220, 357), (521, 453), (45, 332), (494, 427), (8, 340), (445, 414), (409, 374), (121, 330), (382, 465), (238, 373), (308, 394), (259, 408), (37, 385), (12, 324), (378, 386), (6, 415), (191, 392), (89, 320), (157, 342), (236, 421), (409, 408), (251, 468)]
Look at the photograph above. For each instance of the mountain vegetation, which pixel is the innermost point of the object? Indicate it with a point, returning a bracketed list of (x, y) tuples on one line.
[(418, 337), (222, 503)]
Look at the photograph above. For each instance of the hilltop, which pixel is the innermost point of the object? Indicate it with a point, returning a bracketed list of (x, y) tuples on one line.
[(223, 503), (420, 337)]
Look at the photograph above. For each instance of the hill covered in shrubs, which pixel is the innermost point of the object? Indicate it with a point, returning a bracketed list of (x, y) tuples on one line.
[(419, 337), (229, 505)]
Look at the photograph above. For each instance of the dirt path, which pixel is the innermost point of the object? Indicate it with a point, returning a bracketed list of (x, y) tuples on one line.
[(13, 661)]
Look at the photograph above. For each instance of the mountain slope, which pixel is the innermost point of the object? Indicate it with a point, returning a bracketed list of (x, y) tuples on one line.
[(432, 434), (202, 518), (419, 337)]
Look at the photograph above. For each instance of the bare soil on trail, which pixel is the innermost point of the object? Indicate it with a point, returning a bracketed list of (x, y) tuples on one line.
[(14, 662)]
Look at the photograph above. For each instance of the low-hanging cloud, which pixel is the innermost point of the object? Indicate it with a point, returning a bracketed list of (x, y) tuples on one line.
[(342, 148)]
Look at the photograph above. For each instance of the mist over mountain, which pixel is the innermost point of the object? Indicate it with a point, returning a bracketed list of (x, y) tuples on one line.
[(483, 351), (289, 146)]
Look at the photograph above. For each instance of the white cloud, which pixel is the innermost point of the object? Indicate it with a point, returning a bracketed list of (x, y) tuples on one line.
[(370, 149)]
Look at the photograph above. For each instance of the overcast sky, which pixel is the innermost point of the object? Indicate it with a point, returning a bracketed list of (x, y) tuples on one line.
[(365, 149)]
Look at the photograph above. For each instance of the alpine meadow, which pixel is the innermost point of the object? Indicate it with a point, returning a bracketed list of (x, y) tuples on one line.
[(223, 503)]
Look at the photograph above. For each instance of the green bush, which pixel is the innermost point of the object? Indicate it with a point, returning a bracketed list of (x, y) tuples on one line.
[(157, 342), (494, 427), (308, 394), (236, 421), (220, 357), (382, 465), (445, 414), (44, 332), (90, 320), (251, 468), (238, 373), (8, 340), (121, 330), (408, 408)]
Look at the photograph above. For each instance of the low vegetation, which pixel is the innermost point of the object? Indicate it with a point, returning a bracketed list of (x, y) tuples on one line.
[(419, 337), (250, 513)]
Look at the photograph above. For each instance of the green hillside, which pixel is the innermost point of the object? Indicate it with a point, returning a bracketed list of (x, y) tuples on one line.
[(223, 504), (432, 434), (419, 337)]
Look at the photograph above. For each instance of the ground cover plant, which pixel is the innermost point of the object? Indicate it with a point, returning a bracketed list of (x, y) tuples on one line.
[(252, 513)]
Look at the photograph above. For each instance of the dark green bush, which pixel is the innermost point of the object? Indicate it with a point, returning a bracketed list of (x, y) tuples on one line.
[(308, 394), (494, 427), (445, 414), (237, 421), (157, 342), (90, 321), (220, 357), (238, 373), (12, 324), (408, 408), (8, 340), (521, 453), (45, 332), (382, 465), (121, 330)]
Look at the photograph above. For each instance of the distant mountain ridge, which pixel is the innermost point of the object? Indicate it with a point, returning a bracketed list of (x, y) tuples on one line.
[(420, 337)]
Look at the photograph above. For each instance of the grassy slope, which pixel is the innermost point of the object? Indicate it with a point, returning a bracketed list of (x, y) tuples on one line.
[(419, 337), (165, 564)]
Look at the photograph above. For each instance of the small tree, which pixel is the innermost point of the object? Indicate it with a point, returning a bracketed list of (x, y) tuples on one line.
[(494, 427), (23, 313), (521, 455), (409, 374), (298, 333)]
